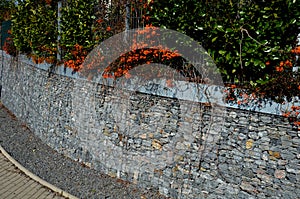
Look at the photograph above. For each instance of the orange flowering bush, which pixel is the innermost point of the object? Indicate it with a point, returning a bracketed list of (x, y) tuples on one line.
[(82, 23), (134, 58), (283, 82), (141, 53), (78, 55)]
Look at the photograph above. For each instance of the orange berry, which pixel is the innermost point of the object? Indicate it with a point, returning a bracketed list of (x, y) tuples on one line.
[(281, 64), (288, 63), (99, 21), (279, 68)]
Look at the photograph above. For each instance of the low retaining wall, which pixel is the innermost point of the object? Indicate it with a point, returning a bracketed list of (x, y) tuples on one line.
[(184, 149)]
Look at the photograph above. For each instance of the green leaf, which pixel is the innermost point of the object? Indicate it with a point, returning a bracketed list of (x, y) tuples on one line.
[(228, 56), (228, 30), (256, 62), (253, 84), (262, 81), (222, 52), (214, 39)]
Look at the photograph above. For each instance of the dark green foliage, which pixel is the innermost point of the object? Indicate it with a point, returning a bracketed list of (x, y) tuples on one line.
[(35, 27), (240, 35), (76, 25)]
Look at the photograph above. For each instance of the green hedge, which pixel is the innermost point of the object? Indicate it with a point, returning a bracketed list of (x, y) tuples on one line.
[(240, 35), (247, 39)]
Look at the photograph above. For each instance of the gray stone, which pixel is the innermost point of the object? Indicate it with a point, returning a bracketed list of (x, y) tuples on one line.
[(244, 195), (242, 136), (293, 169), (253, 135), (265, 119), (248, 172), (223, 168), (265, 139), (296, 141), (260, 163), (233, 114), (286, 155), (293, 178)]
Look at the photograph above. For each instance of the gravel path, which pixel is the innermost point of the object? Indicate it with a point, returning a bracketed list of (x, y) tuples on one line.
[(59, 170)]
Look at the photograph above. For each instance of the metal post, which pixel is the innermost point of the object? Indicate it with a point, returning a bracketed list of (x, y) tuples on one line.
[(296, 68), (59, 6), (127, 17), (127, 21)]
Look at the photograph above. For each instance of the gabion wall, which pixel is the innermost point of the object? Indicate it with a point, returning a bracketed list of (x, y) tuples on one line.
[(182, 148)]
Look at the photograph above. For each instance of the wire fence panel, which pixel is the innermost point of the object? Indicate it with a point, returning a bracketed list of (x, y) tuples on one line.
[(121, 15)]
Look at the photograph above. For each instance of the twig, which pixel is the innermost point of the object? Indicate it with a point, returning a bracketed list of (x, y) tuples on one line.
[(245, 30), (261, 44)]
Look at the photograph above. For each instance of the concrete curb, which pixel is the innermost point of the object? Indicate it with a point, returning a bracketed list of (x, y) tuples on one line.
[(36, 178)]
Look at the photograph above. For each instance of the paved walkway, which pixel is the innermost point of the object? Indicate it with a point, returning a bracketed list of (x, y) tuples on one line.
[(16, 182)]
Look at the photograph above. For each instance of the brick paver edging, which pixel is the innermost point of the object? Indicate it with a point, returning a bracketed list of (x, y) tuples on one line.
[(36, 178)]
